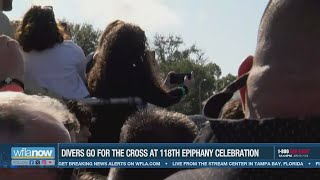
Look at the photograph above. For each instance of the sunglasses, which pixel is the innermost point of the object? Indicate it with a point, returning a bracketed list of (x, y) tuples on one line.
[(48, 7)]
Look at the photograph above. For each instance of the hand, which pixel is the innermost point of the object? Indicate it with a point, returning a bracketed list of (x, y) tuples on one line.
[(189, 82), (11, 59), (167, 82)]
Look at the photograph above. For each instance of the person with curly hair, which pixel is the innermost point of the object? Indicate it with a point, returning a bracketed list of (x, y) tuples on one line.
[(154, 125), (232, 110), (124, 68), (51, 62)]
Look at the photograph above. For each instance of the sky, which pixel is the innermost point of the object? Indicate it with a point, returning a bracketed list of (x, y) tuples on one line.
[(226, 30)]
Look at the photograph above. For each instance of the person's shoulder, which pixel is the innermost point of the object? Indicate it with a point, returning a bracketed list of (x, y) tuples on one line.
[(73, 46), (260, 130), (214, 128), (70, 44)]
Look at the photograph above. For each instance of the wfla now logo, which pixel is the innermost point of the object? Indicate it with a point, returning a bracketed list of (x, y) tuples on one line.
[(32, 153)]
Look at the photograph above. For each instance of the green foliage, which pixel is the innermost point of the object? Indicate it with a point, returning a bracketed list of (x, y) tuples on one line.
[(169, 49), (172, 56), (225, 81), (84, 35)]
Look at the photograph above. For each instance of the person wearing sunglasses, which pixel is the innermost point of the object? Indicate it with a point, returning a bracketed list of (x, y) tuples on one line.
[(51, 62)]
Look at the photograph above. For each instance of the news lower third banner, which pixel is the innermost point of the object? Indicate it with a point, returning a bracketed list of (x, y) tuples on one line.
[(192, 155)]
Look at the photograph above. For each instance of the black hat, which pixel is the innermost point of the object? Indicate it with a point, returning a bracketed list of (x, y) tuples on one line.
[(216, 102)]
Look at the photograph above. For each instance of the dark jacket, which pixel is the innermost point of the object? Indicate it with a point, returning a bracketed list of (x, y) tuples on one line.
[(109, 119), (256, 131)]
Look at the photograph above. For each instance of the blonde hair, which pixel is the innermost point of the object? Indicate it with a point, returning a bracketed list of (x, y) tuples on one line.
[(62, 27)]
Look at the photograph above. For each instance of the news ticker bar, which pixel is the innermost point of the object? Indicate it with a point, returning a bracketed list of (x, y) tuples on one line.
[(192, 155)]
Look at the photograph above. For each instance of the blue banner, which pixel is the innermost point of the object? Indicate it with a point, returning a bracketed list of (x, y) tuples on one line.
[(214, 155)]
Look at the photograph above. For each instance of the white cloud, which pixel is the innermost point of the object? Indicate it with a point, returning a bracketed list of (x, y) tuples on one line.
[(42, 2), (151, 15)]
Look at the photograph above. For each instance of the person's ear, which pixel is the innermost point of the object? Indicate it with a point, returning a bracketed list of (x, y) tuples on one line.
[(244, 68)]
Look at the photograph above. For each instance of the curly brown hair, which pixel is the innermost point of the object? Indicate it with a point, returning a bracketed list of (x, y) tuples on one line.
[(232, 110), (83, 112), (157, 125), (39, 29), (122, 67)]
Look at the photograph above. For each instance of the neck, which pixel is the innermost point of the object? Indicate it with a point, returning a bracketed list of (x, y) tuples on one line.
[(284, 104), (283, 90)]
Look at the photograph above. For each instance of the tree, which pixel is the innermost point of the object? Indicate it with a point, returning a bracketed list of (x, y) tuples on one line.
[(85, 36), (169, 49), (173, 56), (15, 25), (225, 81)]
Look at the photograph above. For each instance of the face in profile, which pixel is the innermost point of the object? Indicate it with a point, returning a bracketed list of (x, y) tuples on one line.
[(83, 135)]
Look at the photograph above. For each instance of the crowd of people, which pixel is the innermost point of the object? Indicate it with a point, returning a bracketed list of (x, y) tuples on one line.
[(47, 84)]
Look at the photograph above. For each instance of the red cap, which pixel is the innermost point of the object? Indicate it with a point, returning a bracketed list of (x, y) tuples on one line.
[(12, 87), (244, 68)]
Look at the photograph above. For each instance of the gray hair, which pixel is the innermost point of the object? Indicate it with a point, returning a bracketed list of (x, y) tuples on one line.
[(15, 107)]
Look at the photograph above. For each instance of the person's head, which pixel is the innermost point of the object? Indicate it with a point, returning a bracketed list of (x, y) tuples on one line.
[(32, 119), (158, 126), (30, 112), (121, 65), (39, 29), (154, 126), (92, 176), (63, 27), (284, 79), (232, 110), (84, 115)]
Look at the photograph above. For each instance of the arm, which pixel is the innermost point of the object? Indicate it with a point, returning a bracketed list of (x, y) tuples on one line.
[(82, 71), (82, 67), (81, 61), (179, 91), (165, 99), (173, 96)]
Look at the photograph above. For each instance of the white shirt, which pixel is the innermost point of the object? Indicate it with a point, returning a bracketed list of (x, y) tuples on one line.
[(60, 69)]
